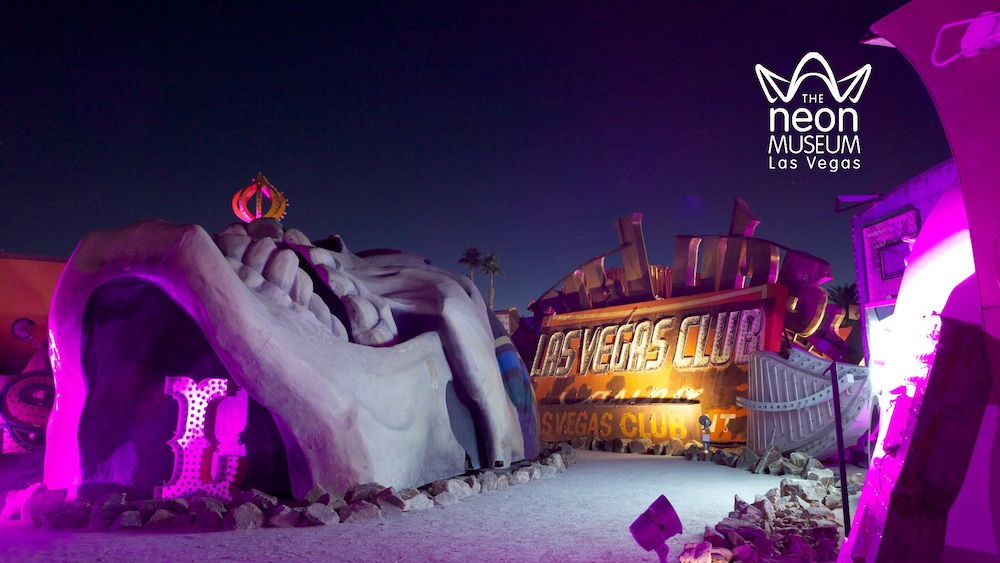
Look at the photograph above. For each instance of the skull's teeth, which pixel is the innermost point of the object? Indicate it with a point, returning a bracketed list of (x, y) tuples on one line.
[(378, 335), (322, 312), (280, 269), (360, 312), (282, 280), (250, 277), (274, 273), (258, 253), (302, 288), (339, 283), (295, 237), (319, 256), (338, 328), (274, 292), (369, 326), (233, 245)]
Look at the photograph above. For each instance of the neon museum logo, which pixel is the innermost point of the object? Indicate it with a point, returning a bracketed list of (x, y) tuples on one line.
[(827, 137)]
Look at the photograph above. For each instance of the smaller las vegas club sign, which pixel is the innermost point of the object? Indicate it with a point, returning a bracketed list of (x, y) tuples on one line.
[(633, 371)]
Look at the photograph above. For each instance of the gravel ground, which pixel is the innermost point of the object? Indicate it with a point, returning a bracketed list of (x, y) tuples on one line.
[(581, 515)]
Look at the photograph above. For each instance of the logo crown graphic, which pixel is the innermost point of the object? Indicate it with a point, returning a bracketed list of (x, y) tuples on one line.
[(856, 85)]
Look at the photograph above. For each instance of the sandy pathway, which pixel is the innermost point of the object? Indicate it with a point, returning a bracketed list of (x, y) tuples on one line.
[(581, 515)]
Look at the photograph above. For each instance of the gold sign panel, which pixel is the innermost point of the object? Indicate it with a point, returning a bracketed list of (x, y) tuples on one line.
[(596, 371)]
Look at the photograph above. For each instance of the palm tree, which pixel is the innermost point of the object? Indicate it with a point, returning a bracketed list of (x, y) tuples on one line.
[(490, 266), (472, 258), (846, 296)]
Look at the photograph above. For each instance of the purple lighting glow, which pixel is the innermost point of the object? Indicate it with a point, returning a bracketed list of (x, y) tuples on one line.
[(196, 443)]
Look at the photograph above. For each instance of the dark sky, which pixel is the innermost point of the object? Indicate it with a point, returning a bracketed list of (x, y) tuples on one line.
[(525, 129)]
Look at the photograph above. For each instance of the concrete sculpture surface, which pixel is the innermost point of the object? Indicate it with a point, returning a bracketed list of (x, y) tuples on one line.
[(378, 367)]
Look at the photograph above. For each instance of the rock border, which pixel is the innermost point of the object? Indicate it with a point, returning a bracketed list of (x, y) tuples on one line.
[(252, 509), (797, 521)]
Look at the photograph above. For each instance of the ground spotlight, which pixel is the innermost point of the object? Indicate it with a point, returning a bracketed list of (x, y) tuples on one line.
[(654, 526)]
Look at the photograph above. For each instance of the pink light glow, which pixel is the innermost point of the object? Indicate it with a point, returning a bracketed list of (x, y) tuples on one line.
[(195, 449), (904, 352)]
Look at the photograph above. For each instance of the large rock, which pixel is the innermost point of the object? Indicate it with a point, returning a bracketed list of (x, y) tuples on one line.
[(799, 459), (503, 481), (535, 471), (246, 516), (41, 501), (72, 514), (810, 491), (260, 499), (752, 515), (320, 515), (824, 476), (673, 447), (747, 460), (745, 552), (765, 507), (832, 499), (777, 467), (128, 520), (721, 554), (457, 487), (418, 502), (488, 480), (15, 499), (185, 521), (361, 510), (162, 519), (444, 499), (208, 512), (772, 455), (556, 460), (206, 519), (282, 516), (473, 482), (106, 509), (696, 553), (207, 503), (640, 445), (813, 463), (715, 538), (728, 458), (313, 495), (365, 491), (568, 453), (790, 468), (748, 532), (389, 496), (149, 507)]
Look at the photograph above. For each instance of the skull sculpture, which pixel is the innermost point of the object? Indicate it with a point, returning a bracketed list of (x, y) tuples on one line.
[(377, 368)]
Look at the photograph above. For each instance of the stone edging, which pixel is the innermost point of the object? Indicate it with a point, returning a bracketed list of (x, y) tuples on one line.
[(255, 509)]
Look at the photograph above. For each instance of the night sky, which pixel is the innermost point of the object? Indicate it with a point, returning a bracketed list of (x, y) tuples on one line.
[(428, 127)]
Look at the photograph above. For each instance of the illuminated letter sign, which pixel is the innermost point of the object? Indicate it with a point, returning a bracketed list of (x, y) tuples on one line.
[(639, 363), (196, 444)]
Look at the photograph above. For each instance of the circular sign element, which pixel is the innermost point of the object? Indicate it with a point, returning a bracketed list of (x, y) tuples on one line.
[(260, 188)]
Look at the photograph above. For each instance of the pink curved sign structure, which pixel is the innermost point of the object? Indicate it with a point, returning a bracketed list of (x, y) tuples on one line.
[(949, 358)]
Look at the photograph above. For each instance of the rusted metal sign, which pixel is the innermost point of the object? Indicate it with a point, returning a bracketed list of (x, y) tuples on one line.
[(619, 371)]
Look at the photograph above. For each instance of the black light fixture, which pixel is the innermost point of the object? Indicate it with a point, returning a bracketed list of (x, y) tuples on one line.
[(706, 436)]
